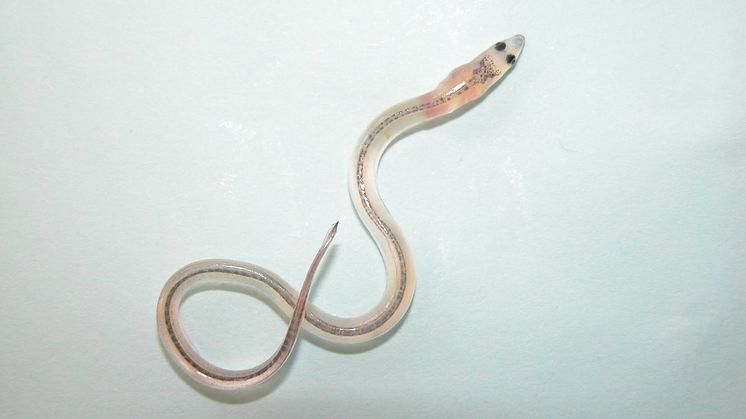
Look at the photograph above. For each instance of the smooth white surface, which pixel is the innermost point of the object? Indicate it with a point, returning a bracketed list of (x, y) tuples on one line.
[(579, 236)]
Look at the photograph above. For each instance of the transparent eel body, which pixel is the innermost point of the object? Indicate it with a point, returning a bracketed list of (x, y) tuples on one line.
[(462, 86)]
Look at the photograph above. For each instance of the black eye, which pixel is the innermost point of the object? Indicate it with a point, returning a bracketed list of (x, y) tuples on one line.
[(500, 46), (510, 58)]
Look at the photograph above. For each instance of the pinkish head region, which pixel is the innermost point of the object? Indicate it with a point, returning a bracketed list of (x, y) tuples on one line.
[(472, 80), (494, 63)]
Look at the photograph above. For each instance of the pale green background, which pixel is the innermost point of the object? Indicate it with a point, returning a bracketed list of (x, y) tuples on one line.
[(579, 237)]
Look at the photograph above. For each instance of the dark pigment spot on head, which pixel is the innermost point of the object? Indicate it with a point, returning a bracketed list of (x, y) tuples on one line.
[(500, 46), (510, 58)]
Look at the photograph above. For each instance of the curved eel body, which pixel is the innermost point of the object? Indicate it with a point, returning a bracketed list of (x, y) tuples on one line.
[(462, 86)]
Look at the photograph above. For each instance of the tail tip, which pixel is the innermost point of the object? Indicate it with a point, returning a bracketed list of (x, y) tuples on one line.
[(333, 230)]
